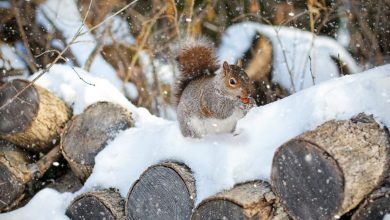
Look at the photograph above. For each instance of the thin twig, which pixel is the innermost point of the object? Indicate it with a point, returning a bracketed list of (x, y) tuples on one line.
[(190, 10), (144, 40), (97, 49), (30, 58), (81, 78), (109, 17), (59, 56), (311, 72)]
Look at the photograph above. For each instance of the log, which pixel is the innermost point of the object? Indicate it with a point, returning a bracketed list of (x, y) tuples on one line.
[(376, 206), (105, 204), (34, 120), (68, 182), (163, 191), (88, 133), (324, 173), (16, 170), (250, 200)]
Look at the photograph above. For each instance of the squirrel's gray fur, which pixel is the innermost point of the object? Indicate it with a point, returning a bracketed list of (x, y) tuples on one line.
[(207, 101)]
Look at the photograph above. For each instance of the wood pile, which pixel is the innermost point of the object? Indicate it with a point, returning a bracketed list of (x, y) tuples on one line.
[(338, 170)]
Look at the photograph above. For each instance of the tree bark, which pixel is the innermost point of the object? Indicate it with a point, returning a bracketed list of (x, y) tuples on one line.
[(250, 200), (376, 206), (88, 133), (325, 173), (163, 191), (17, 170), (106, 204), (34, 120)]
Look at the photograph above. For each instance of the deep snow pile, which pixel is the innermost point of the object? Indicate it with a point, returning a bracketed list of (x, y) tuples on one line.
[(302, 53), (218, 161)]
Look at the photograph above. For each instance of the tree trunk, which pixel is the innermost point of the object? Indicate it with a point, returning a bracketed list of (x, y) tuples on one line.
[(34, 120), (164, 191), (251, 200), (88, 133), (325, 173), (106, 204), (16, 170), (376, 206)]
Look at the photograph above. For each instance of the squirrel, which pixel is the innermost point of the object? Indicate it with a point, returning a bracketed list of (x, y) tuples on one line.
[(210, 97)]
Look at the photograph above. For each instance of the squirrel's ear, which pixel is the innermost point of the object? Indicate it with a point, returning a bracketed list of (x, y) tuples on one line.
[(225, 68), (239, 63)]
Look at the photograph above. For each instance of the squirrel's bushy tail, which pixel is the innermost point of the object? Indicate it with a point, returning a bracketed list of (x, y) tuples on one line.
[(195, 58)]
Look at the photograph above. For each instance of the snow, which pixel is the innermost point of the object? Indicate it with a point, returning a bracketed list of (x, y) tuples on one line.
[(65, 83), (12, 60), (65, 16), (296, 45), (386, 217), (217, 161)]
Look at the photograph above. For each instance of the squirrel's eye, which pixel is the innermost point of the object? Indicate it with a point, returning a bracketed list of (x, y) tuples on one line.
[(232, 81)]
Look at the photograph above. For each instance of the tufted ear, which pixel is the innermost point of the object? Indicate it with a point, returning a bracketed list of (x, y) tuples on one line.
[(239, 63), (225, 67)]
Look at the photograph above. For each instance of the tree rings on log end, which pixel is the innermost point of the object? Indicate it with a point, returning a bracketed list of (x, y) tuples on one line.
[(327, 172), (88, 133), (18, 115), (33, 120), (106, 204), (251, 200), (375, 207), (164, 191), (308, 180)]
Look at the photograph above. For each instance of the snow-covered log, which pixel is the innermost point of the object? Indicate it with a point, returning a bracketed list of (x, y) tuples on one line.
[(16, 170), (250, 200), (34, 119), (106, 204), (376, 206), (88, 133), (163, 191), (325, 173)]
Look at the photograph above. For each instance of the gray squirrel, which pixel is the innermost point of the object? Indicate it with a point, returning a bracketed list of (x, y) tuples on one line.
[(210, 97)]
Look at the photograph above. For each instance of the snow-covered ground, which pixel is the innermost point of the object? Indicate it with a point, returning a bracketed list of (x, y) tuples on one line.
[(218, 161), (298, 52)]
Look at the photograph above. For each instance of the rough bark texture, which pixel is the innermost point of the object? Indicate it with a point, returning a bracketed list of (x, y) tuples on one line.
[(104, 205), (88, 133), (35, 119), (376, 206), (14, 173), (325, 173), (164, 191), (251, 200), (17, 170)]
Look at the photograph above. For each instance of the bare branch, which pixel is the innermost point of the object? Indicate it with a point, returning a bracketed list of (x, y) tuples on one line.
[(30, 59)]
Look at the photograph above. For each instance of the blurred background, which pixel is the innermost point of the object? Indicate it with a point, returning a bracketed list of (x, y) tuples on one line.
[(135, 39)]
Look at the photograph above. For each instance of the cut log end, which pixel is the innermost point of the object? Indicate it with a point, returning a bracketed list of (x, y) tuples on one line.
[(17, 115), (308, 180), (32, 120), (325, 173), (88, 133), (164, 191), (106, 204)]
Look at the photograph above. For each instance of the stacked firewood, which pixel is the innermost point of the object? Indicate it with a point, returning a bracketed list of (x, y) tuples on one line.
[(338, 170)]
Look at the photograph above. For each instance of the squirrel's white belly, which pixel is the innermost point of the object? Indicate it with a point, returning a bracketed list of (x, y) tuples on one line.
[(204, 126)]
